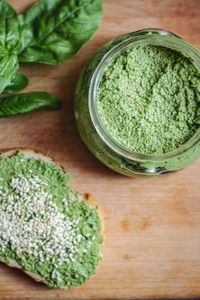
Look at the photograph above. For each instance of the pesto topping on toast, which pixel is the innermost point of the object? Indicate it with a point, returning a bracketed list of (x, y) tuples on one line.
[(44, 225)]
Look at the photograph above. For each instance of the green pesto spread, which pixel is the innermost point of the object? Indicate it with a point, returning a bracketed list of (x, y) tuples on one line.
[(45, 226), (149, 98)]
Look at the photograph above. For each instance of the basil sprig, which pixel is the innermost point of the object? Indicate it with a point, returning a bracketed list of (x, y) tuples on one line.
[(48, 32)]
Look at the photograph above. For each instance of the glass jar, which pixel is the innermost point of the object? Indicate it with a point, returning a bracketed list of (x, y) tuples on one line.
[(93, 132)]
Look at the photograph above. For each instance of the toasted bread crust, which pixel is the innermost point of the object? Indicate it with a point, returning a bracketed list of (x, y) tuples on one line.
[(14, 264), (29, 153)]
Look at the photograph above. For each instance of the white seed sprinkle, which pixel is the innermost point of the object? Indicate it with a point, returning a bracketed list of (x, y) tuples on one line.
[(31, 223)]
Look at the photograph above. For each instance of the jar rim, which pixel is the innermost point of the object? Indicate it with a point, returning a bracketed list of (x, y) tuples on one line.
[(149, 36)]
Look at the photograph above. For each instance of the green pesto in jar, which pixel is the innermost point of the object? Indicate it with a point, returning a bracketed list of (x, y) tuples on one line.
[(149, 99), (45, 226)]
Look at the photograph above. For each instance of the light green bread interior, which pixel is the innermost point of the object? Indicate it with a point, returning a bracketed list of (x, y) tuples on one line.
[(45, 226)]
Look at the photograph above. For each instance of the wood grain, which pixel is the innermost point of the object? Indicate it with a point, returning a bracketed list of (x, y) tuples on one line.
[(152, 225)]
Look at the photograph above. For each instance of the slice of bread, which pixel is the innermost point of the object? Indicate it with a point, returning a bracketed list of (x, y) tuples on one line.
[(29, 154)]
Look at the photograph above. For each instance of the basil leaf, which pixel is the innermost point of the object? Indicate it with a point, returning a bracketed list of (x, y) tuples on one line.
[(10, 43), (18, 83), (54, 30), (197, 120), (25, 103), (8, 67), (10, 30)]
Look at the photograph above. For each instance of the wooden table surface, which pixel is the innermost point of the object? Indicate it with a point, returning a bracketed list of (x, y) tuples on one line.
[(152, 244)]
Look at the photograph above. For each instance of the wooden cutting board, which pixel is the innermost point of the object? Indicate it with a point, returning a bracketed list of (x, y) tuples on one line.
[(152, 244)]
